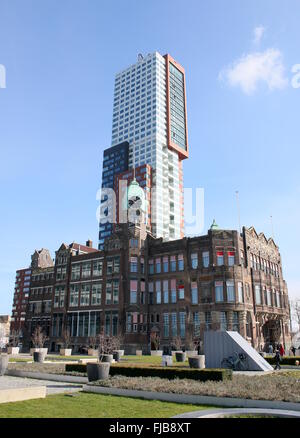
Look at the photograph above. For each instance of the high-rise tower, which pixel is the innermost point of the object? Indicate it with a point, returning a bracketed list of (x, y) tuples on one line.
[(150, 114)]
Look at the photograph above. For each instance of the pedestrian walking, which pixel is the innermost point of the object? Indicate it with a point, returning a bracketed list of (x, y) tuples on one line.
[(293, 350), (270, 349), (277, 360), (281, 350)]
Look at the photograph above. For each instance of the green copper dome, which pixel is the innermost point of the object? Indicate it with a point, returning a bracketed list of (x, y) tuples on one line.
[(214, 226), (134, 193)]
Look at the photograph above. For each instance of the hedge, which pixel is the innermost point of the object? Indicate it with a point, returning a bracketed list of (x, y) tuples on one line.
[(162, 372), (285, 360)]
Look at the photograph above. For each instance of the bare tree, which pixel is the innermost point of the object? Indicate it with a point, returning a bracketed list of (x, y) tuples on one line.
[(38, 337), (296, 311), (155, 340), (106, 344), (93, 342), (14, 338), (66, 338), (3, 339), (176, 342)]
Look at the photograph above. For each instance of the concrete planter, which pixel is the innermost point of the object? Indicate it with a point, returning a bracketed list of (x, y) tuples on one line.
[(92, 352), (166, 361), (180, 356), (197, 361), (98, 371), (3, 363), (107, 358), (36, 350), (65, 351), (13, 350), (139, 352), (156, 352), (117, 356), (38, 357)]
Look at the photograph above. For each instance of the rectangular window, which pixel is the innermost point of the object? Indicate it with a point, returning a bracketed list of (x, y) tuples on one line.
[(182, 324), (277, 300), (151, 266), (205, 259), (166, 291), (194, 289), (115, 291), (257, 295), (230, 291), (219, 291), (109, 266), (207, 320), (166, 264), (116, 268), (180, 262), (223, 321), (108, 292), (158, 292), (97, 268), (173, 291), (96, 294), (235, 322), (75, 273), (269, 299), (240, 292), (158, 265), (174, 324), (166, 325), (85, 295), (59, 296), (181, 292), (133, 291), (231, 258), (74, 294), (220, 258), (107, 324), (86, 269), (173, 263), (133, 264), (129, 323), (194, 260)]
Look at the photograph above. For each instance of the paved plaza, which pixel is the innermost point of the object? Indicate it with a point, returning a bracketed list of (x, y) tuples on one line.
[(7, 382)]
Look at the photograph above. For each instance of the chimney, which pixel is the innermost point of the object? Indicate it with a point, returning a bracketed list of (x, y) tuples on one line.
[(89, 243)]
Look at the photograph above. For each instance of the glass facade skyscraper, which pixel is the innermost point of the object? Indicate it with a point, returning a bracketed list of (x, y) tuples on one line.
[(149, 113)]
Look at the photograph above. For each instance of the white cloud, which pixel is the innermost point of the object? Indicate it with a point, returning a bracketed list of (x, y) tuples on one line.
[(254, 68), (258, 34)]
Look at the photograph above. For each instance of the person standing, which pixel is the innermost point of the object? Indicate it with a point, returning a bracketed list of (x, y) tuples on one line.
[(293, 350), (281, 350), (277, 360), (270, 349)]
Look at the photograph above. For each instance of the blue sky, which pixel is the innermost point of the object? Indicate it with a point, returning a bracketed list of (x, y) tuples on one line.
[(55, 114)]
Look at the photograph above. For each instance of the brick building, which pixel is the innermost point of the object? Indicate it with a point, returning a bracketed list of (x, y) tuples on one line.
[(139, 284)]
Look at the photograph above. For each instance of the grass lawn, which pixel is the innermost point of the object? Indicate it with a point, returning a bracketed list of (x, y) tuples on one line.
[(149, 360), (93, 406)]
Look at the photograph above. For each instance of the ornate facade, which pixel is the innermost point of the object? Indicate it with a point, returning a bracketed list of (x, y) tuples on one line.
[(138, 285)]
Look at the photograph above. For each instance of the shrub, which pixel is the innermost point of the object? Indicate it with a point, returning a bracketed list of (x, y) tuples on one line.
[(285, 360), (162, 372)]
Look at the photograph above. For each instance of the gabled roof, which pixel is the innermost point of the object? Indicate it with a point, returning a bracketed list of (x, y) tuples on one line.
[(272, 243), (252, 231), (261, 236), (82, 248)]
